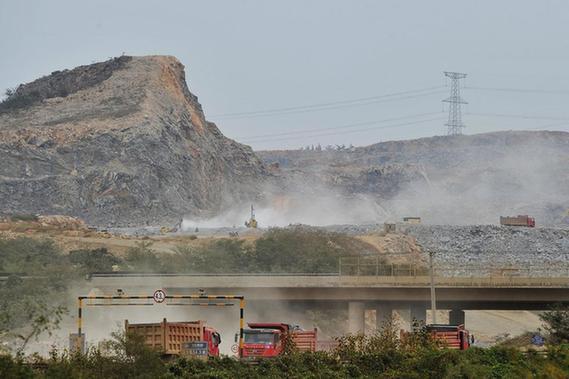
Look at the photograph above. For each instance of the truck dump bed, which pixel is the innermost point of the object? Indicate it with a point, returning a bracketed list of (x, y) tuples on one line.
[(167, 337), (304, 340), (451, 336), (521, 220)]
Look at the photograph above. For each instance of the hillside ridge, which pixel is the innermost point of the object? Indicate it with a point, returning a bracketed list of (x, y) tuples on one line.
[(118, 143)]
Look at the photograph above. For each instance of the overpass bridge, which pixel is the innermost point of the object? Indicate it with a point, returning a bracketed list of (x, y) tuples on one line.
[(507, 288)]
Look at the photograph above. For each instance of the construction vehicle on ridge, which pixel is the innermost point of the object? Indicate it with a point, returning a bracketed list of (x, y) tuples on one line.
[(252, 222), (520, 220)]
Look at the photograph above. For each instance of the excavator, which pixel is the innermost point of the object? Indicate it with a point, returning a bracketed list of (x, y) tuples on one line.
[(252, 222)]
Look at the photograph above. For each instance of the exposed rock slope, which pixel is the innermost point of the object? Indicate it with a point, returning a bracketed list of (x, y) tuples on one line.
[(117, 143), (446, 180)]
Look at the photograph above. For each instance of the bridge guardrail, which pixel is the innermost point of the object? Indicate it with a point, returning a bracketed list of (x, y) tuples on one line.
[(378, 266)]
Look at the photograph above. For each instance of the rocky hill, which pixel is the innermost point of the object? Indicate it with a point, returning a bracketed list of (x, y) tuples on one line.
[(121, 142), (445, 180)]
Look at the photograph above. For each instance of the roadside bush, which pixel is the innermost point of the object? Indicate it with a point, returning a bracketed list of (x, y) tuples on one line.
[(130, 359), (304, 250), (14, 368), (40, 278), (220, 256), (96, 260), (557, 323), (143, 258), (285, 250)]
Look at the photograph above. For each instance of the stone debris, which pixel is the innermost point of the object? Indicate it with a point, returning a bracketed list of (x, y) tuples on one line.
[(540, 251)]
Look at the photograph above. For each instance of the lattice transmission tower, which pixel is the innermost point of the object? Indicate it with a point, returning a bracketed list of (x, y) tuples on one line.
[(454, 123)]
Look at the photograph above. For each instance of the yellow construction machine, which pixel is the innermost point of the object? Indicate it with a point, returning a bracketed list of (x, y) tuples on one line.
[(252, 222)]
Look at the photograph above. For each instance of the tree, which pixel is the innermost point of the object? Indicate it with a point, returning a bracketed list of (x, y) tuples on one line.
[(143, 258), (43, 318), (96, 260), (33, 299), (557, 323)]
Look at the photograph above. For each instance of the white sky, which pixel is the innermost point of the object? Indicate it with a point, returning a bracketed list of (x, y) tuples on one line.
[(244, 56)]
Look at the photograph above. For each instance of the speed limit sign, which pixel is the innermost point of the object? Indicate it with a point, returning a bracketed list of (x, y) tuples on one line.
[(159, 296)]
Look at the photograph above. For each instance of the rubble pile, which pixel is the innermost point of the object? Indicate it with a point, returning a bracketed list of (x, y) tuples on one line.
[(488, 246)]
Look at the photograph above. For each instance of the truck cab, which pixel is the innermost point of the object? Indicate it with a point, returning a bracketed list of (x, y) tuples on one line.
[(213, 339), (261, 343), (267, 339)]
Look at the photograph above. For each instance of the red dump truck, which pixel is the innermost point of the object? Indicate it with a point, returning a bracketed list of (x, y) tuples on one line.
[(520, 220), (178, 338), (268, 339), (451, 336)]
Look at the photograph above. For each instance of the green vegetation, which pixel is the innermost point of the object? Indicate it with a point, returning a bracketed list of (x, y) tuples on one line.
[(41, 275), (96, 260), (30, 307), (24, 217), (34, 296), (14, 100), (382, 355), (278, 250), (557, 323)]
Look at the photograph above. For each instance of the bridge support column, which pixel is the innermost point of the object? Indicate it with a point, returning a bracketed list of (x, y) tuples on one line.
[(356, 317), (403, 318), (383, 313), (418, 313), (456, 317)]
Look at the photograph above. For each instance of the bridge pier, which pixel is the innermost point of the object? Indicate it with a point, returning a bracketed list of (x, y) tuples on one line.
[(383, 313), (456, 317), (409, 312), (418, 313), (356, 317)]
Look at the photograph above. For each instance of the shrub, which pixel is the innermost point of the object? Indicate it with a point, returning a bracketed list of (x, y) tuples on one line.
[(557, 323), (40, 302), (96, 260), (143, 258), (24, 217)]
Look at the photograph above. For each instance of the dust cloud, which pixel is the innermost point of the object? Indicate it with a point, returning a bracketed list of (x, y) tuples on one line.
[(318, 210), (533, 180), (472, 185)]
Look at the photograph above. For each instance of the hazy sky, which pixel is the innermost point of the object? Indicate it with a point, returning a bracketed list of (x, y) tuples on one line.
[(248, 56)]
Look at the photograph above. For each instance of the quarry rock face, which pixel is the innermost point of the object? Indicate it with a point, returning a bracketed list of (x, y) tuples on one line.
[(468, 179), (121, 142)]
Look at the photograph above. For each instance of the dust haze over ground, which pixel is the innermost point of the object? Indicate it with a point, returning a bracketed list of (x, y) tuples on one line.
[(477, 189), (530, 180), (100, 321), (444, 180), (314, 209)]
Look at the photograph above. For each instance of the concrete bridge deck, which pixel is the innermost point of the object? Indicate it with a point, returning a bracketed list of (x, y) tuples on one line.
[(383, 294), (511, 292), (322, 280)]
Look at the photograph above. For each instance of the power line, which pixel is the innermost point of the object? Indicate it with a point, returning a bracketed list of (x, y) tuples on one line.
[(339, 127), (520, 90), (333, 105), (350, 131)]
